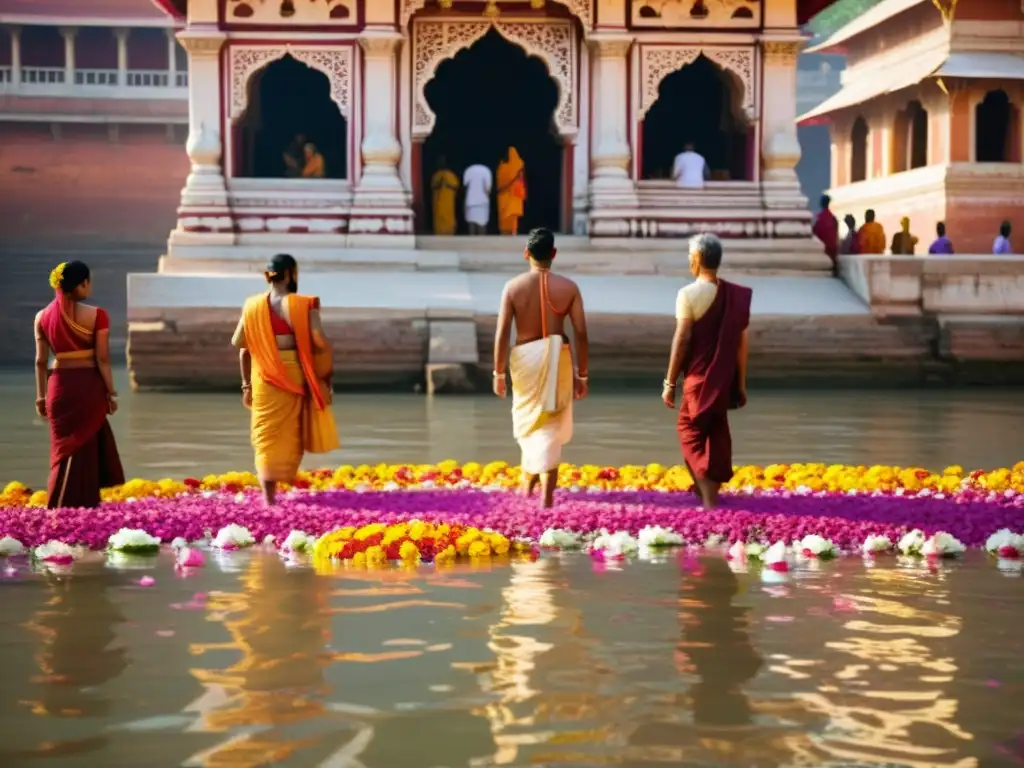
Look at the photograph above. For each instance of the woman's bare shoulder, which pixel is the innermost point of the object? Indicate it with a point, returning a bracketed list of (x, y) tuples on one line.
[(87, 314)]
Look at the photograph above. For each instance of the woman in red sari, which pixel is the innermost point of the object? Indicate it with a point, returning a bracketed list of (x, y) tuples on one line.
[(77, 395)]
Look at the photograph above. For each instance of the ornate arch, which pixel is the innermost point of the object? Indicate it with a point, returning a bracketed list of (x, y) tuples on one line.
[(550, 41), (581, 9), (246, 61), (658, 62)]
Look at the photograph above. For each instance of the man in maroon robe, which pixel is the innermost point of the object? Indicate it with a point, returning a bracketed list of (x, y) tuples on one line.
[(826, 229), (710, 350)]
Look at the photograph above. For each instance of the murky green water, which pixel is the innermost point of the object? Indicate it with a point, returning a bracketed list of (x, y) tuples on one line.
[(547, 663), (178, 435)]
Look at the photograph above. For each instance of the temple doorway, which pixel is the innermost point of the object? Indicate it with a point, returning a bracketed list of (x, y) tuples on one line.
[(698, 104), (290, 107), (487, 98)]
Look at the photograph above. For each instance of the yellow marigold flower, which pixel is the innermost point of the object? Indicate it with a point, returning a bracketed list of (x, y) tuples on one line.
[(369, 530), (419, 529), (376, 557), (38, 499), (479, 549), (358, 560), (500, 545), (954, 469), (446, 555), (409, 552)]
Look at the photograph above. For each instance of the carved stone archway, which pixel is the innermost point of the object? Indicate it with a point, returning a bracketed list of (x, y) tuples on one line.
[(659, 61), (581, 9), (247, 60), (551, 41)]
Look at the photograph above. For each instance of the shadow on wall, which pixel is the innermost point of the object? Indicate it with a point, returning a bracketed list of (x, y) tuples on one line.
[(89, 188)]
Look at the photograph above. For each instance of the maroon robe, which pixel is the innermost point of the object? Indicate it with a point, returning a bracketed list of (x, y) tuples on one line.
[(83, 453), (826, 229), (710, 383)]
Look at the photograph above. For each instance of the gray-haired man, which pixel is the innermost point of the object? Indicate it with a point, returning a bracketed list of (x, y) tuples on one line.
[(710, 350)]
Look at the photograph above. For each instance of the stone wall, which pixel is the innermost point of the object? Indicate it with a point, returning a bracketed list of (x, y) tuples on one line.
[(191, 350), (88, 186)]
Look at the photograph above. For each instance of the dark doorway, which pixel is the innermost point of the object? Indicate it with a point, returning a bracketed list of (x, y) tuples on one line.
[(859, 150), (699, 103), (488, 98), (995, 132), (288, 100)]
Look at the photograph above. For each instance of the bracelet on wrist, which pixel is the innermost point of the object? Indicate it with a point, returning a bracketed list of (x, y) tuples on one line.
[(669, 384), (498, 374), (246, 387)]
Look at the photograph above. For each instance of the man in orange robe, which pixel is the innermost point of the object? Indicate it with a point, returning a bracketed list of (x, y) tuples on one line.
[(871, 237), (511, 192), (710, 351)]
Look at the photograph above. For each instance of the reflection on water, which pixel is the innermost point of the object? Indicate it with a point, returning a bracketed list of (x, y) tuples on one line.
[(684, 662), (177, 435)]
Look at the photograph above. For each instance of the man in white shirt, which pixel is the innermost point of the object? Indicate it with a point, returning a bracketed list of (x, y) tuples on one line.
[(478, 181), (690, 169)]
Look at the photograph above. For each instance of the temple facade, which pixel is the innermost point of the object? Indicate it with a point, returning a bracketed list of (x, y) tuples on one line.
[(597, 96), (927, 122), (93, 122)]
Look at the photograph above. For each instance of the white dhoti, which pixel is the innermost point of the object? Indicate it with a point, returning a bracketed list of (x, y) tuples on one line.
[(478, 214), (542, 391)]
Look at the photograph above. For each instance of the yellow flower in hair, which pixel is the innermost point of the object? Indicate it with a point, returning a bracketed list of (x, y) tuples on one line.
[(57, 275)]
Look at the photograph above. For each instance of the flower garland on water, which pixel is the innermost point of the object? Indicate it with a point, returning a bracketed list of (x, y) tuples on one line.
[(133, 541), (446, 525), (799, 479)]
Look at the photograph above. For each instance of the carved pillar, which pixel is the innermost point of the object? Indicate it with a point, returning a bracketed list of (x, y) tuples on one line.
[(69, 34), (610, 183), (204, 187), (15, 55), (780, 148), (122, 56), (380, 147), (172, 60)]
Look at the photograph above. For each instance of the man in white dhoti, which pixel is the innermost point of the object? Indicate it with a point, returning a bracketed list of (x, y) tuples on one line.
[(690, 169), (544, 380), (478, 181)]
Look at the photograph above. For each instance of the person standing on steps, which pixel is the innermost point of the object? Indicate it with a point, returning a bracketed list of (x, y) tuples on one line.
[(709, 350), (478, 181), (544, 383)]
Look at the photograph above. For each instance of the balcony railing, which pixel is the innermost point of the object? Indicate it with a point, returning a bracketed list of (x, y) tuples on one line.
[(95, 77), (5, 74), (42, 75)]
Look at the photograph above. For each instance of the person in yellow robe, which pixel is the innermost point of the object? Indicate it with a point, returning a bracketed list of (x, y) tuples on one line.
[(903, 242), (444, 186), (286, 365), (871, 237), (511, 192), (314, 167)]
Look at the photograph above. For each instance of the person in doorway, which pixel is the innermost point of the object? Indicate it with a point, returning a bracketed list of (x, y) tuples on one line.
[(942, 245), (511, 192), (709, 349), (871, 236), (1001, 246), (478, 181), (850, 243), (78, 394), (544, 382), (826, 229), (314, 167), (444, 186), (295, 157), (690, 170), (903, 243), (286, 365)]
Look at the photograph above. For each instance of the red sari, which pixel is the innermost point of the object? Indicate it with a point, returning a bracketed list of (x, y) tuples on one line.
[(83, 454), (710, 384)]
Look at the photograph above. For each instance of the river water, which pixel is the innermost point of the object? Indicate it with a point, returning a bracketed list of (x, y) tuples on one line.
[(554, 663), (181, 435), (256, 661)]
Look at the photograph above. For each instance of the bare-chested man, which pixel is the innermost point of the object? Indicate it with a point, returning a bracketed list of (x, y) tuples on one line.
[(544, 381)]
